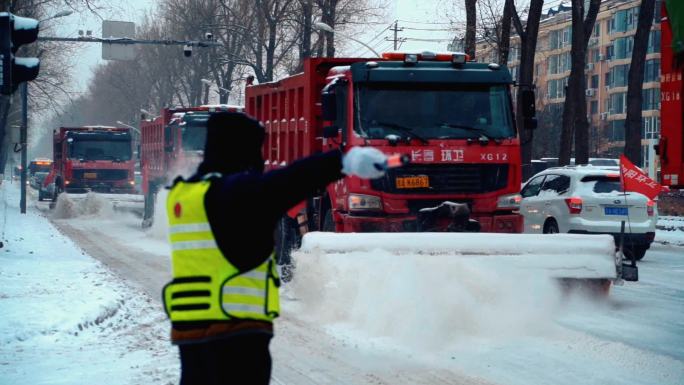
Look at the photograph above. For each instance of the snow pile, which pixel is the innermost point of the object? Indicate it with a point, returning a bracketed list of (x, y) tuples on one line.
[(557, 255), (90, 204), (422, 301), (66, 318), (160, 226), (670, 230)]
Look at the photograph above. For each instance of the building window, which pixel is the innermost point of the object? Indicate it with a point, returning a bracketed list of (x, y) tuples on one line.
[(617, 130), (652, 70), (593, 56), (618, 103), (609, 52), (594, 107), (554, 39), (514, 72), (618, 75), (556, 88), (622, 47), (594, 81), (597, 30), (625, 20), (553, 64), (650, 99), (650, 127), (565, 62), (654, 42)]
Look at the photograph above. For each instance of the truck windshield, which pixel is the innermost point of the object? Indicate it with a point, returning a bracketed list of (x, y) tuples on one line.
[(88, 149), (444, 111), (194, 130)]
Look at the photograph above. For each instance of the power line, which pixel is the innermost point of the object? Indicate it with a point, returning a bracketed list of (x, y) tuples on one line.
[(427, 40), (423, 22), (431, 29)]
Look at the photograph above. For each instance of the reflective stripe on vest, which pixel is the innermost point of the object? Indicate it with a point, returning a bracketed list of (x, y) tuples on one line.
[(205, 285)]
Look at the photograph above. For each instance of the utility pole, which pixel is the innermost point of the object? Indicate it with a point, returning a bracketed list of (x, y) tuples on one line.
[(23, 140), (396, 38)]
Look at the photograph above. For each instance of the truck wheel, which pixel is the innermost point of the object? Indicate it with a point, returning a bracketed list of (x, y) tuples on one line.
[(328, 223), (148, 211), (285, 242)]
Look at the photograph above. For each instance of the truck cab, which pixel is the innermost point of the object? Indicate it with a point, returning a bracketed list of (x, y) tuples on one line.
[(93, 158), (172, 144), (453, 119)]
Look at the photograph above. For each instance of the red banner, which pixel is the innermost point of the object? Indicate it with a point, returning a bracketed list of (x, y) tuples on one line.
[(633, 179)]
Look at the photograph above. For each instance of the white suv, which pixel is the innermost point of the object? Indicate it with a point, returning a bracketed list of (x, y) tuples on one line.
[(588, 200)]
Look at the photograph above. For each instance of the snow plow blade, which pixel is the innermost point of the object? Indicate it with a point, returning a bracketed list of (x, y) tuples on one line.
[(563, 256)]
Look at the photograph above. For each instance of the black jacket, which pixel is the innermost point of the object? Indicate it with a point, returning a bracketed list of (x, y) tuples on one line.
[(244, 208)]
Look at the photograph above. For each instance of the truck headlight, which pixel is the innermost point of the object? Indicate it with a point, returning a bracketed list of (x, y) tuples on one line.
[(510, 201), (358, 202)]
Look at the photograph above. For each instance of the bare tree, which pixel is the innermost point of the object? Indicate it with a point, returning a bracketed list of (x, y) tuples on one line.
[(471, 27), (494, 27), (635, 80), (528, 49), (505, 32), (575, 108)]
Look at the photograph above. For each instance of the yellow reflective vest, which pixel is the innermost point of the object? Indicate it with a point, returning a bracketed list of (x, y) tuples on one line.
[(205, 285)]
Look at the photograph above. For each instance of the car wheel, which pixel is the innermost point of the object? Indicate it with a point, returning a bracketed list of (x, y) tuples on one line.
[(637, 251), (551, 227)]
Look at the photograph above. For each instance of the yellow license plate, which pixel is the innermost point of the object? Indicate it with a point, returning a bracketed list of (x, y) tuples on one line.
[(420, 181), (90, 175)]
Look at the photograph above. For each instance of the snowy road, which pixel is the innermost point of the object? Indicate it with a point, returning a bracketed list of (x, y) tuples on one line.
[(348, 323)]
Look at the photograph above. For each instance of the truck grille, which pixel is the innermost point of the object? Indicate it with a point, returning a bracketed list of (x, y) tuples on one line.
[(447, 178), (103, 174)]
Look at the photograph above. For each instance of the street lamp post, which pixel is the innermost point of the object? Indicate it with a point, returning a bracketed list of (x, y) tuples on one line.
[(58, 14), (326, 28)]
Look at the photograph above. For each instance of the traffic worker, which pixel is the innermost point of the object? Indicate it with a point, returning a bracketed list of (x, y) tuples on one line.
[(224, 293)]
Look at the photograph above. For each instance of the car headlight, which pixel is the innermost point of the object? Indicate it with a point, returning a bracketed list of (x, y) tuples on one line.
[(358, 202), (510, 201)]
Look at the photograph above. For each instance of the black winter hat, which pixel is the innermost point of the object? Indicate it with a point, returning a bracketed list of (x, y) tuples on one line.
[(234, 142)]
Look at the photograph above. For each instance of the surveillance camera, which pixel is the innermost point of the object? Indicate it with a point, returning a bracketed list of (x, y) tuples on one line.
[(187, 50), (209, 36)]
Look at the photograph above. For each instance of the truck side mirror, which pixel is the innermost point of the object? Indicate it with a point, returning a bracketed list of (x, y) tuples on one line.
[(329, 106), (330, 132)]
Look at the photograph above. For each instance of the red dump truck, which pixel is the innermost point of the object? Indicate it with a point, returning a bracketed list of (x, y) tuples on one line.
[(453, 118), (171, 144), (93, 158), (671, 146)]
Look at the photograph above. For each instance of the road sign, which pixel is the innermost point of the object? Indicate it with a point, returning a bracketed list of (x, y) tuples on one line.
[(118, 30)]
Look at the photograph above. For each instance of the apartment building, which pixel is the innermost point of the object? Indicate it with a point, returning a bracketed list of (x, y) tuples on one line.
[(608, 57)]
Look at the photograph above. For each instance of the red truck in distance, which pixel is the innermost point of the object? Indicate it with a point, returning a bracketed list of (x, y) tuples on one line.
[(93, 158), (171, 144), (452, 117)]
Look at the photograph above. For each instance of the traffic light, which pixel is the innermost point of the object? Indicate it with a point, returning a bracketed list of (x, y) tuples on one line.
[(16, 31)]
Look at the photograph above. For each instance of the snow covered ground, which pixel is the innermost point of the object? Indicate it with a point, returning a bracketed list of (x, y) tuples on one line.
[(362, 317), (66, 318), (670, 230)]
